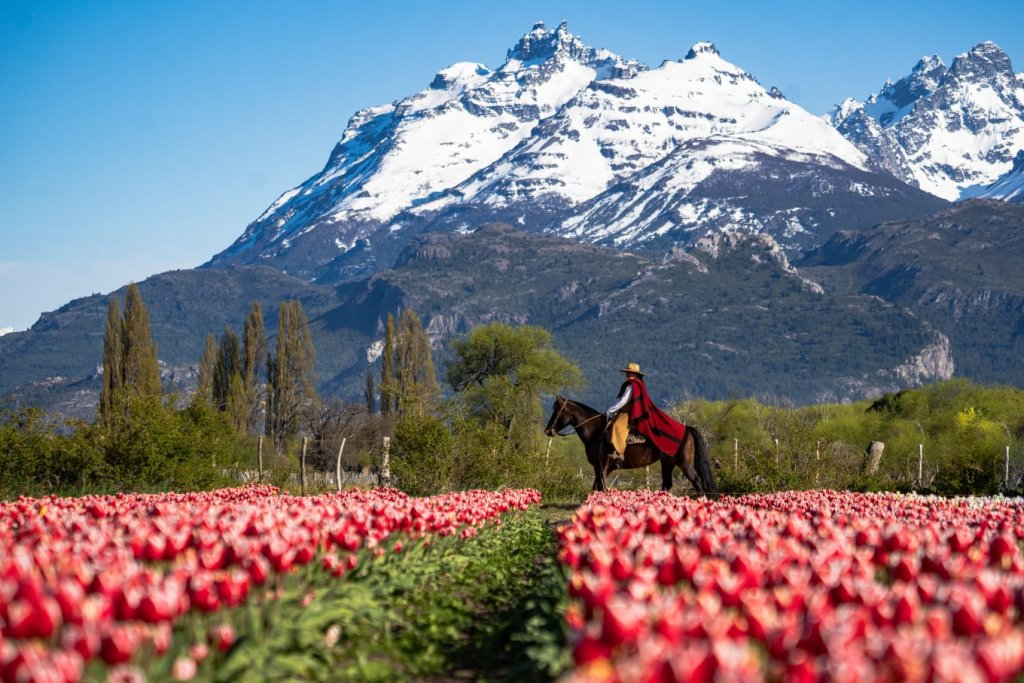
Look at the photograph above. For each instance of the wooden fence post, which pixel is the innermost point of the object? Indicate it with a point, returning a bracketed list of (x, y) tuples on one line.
[(259, 461), (547, 456), (647, 475), (920, 463), (1006, 479), (338, 466), (776, 451), (302, 466), (736, 455), (817, 461), (385, 462)]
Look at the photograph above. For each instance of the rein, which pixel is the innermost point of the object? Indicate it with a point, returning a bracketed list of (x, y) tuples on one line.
[(561, 407)]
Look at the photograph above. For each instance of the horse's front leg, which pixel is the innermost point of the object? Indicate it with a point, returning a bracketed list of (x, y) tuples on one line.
[(596, 458)]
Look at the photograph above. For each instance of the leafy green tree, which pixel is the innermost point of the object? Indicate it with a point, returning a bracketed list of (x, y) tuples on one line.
[(291, 376), (501, 371)]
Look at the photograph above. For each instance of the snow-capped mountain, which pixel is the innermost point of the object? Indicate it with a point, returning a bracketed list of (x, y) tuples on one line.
[(942, 129), (396, 155), (616, 127), (1010, 186), (547, 140)]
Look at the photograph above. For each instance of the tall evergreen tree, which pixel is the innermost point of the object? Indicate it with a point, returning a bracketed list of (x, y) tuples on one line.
[(207, 364), (112, 360), (254, 346), (291, 376), (388, 394)]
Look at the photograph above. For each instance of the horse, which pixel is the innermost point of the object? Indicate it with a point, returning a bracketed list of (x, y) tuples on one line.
[(592, 428)]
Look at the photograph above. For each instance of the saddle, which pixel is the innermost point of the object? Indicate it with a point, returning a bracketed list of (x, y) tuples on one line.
[(635, 438)]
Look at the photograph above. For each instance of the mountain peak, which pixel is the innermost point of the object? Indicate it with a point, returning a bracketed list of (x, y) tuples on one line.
[(542, 43), (985, 61), (928, 63), (702, 48)]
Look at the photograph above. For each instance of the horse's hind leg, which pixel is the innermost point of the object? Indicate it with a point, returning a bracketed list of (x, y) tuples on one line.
[(691, 473), (666, 474)]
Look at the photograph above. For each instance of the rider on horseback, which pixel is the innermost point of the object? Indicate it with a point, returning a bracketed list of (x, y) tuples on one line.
[(634, 410)]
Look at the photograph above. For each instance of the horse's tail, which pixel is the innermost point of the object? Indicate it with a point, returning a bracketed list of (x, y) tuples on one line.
[(702, 463)]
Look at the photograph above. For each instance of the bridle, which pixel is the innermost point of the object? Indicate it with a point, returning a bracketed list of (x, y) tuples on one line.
[(575, 426)]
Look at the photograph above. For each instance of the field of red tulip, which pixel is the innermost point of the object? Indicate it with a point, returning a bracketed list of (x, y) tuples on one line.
[(798, 586), (101, 585)]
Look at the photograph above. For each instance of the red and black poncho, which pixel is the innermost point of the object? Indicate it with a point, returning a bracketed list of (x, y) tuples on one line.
[(646, 418)]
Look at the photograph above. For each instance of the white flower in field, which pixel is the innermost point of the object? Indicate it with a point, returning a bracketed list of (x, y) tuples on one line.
[(184, 669), (333, 635)]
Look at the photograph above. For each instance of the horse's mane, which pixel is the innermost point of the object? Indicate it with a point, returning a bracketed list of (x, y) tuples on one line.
[(581, 405)]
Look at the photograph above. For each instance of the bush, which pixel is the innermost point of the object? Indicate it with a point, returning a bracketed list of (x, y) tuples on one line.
[(149, 445), (964, 428)]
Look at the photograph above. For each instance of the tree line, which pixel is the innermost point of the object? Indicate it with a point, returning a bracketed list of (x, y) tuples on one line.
[(474, 423), (481, 429)]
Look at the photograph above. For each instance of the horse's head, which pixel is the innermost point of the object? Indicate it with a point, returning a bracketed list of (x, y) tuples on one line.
[(560, 418)]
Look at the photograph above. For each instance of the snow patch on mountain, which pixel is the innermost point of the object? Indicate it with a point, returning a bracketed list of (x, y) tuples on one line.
[(693, 190), (1008, 187)]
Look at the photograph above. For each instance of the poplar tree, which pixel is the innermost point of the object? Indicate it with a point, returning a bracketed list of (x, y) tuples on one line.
[(129, 355), (228, 386), (415, 376), (207, 363), (140, 371), (112, 362), (225, 367), (369, 393), (388, 397), (254, 347), (291, 376)]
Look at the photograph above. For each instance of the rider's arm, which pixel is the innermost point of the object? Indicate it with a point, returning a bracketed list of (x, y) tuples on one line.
[(621, 403)]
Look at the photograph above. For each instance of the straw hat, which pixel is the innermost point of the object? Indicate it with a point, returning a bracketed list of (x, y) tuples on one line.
[(632, 367)]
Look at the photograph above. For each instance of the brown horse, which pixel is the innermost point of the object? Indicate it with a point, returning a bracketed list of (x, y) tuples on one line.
[(591, 426)]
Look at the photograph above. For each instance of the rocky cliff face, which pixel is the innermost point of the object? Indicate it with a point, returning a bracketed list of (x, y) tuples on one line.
[(957, 269)]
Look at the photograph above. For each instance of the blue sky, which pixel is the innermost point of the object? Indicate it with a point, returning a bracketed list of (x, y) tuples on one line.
[(138, 137)]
